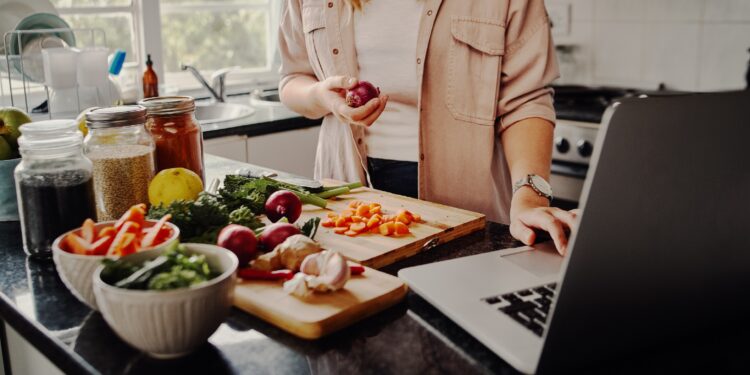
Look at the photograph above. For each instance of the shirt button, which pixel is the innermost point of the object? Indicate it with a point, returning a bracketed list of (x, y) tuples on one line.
[(330, 4), (421, 157), (419, 61), (335, 51), (429, 12)]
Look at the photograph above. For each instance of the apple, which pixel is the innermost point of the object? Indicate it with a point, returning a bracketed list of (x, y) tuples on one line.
[(10, 120), (240, 240)]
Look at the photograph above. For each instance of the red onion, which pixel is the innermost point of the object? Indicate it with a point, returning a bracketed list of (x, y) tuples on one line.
[(360, 94), (240, 240), (283, 203), (275, 234)]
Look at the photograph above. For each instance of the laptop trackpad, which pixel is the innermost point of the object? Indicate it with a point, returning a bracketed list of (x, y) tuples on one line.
[(543, 261)]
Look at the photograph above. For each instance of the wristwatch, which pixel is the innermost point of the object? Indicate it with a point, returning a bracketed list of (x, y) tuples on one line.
[(539, 184)]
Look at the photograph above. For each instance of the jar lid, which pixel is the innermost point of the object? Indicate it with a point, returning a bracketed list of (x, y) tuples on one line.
[(111, 117), (49, 135), (168, 105)]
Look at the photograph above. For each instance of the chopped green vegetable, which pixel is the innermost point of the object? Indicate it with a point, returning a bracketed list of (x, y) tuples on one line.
[(310, 228), (201, 220), (253, 192), (171, 270), (333, 192)]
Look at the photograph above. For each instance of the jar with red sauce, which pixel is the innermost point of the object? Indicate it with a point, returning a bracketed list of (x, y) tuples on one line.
[(176, 133)]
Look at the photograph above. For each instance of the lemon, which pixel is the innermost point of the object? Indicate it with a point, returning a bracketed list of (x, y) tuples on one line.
[(174, 184)]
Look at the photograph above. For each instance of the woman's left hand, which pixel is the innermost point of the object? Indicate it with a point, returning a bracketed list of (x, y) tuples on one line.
[(530, 211)]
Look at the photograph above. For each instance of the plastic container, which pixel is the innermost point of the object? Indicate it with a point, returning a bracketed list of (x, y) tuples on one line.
[(122, 153), (54, 183), (177, 134)]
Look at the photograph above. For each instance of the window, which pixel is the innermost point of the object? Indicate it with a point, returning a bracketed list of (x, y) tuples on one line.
[(114, 17), (208, 34), (212, 35)]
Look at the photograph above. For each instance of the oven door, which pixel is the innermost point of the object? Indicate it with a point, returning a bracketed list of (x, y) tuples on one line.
[(567, 183)]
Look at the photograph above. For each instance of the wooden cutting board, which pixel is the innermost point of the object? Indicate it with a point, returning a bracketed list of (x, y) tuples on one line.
[(320, 313), (439, 224)]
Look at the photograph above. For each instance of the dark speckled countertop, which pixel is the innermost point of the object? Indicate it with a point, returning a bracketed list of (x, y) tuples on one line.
[(409, 338)]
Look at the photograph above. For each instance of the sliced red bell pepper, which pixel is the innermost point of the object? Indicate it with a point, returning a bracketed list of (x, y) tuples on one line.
[(100, 246), (251, 274), (149, 239), (76, 244), (136, 214)]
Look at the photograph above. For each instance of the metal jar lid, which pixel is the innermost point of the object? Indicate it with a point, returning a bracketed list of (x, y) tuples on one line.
[(168, 105), (111, 117)]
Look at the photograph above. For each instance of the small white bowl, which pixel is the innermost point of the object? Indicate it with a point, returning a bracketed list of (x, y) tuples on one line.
[(76, 270), (172, 323)]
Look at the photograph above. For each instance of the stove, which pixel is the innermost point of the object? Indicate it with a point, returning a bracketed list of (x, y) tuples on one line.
[(579, 113)]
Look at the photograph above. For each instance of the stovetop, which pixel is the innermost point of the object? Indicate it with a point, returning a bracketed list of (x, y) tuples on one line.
[(587, 104)]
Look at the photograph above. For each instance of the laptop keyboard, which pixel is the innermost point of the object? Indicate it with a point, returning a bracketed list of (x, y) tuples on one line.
[(529, 307)]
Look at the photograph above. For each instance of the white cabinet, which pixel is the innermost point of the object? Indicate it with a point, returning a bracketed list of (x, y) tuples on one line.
[(291, 151), (230, 147)]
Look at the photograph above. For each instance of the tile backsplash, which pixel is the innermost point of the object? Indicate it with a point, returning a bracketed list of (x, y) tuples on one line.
[(686, 44)]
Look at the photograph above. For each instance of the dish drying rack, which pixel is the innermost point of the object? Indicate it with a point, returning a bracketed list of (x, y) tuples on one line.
[(13, 71)]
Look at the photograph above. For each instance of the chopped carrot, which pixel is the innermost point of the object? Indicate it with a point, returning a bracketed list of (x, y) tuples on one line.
[(351, 233), (341, 222), (357, 219), (358, 227), (347, 213), (363, 210), (88, 231), (374, 221), (328, 223), (332, 215), (417, 218), (387, 229), (340, 230), (402, 217), (355, 204), (400, 228)]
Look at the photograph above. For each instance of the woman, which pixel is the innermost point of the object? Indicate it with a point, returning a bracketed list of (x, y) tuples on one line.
[(465, 111)]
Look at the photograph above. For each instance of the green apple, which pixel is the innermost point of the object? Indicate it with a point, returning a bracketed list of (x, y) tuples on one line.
[(10, 120), (5, 151)]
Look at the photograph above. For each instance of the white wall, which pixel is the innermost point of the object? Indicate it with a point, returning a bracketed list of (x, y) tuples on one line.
[(687, 44)]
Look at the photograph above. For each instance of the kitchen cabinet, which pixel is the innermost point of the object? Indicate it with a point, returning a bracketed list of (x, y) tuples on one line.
[(231, 147), (290, 151)]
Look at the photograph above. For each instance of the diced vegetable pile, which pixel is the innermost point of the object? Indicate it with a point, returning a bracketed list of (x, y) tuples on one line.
[(367, 217), (126, 236)]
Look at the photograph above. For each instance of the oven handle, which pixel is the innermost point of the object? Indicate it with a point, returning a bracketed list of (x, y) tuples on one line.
[(569, 169)]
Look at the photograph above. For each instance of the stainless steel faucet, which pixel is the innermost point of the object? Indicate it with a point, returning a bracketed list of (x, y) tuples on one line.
[(218, 79)]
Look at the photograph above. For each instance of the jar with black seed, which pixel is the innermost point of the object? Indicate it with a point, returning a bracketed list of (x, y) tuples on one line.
[(54, 184)]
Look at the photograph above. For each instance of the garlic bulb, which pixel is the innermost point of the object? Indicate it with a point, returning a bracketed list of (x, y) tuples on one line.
[(321, 272)]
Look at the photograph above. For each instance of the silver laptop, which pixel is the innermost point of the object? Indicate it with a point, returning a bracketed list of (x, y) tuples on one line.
[(662, 244)]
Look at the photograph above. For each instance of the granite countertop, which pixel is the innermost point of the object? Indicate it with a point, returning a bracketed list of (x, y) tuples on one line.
[(265, 120), (411, 337)]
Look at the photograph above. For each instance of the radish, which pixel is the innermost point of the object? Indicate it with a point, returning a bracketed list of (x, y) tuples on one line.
[(283, 203), (277, 233), (240, 240), (360, 94)]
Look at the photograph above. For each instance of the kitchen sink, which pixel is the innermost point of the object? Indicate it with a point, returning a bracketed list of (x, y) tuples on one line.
[(213, 113), (265, 98)]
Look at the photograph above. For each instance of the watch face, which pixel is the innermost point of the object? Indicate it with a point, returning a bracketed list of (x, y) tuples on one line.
[(541, 184)]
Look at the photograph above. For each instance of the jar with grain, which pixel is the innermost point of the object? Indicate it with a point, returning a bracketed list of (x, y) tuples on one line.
[(177, 134), (122, 152), (53, 183)]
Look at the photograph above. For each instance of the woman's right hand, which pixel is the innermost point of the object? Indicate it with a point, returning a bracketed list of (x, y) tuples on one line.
[(331, 94)]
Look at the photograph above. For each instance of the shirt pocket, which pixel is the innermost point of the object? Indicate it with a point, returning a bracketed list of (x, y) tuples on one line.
[(474, 65), (316, 41)]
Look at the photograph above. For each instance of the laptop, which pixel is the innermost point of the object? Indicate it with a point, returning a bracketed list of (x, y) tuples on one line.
[(661, 245)]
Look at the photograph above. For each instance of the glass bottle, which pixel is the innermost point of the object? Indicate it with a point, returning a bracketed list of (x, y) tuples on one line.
[(177, 134), (122, 152), (150, 80), (54, 183)]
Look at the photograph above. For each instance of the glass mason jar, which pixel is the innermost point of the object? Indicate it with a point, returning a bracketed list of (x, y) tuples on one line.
[(177, 134), (122, 152), (54, 183)]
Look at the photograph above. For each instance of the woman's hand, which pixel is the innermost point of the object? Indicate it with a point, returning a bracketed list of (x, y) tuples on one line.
[(331, 94), (530, 211)]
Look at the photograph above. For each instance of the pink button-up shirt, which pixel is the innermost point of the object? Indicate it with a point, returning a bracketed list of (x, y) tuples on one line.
[(482, 66)]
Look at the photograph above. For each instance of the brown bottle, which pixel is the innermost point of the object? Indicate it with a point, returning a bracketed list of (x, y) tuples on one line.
[(150, 81)]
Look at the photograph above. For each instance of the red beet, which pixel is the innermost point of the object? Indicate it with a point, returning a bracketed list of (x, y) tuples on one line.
[(283, 203), (240, 240), (275, 234), (360, 94)]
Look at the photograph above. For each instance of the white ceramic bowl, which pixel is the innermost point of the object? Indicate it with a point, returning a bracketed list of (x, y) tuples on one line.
[(76, 270), (172, 323)]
